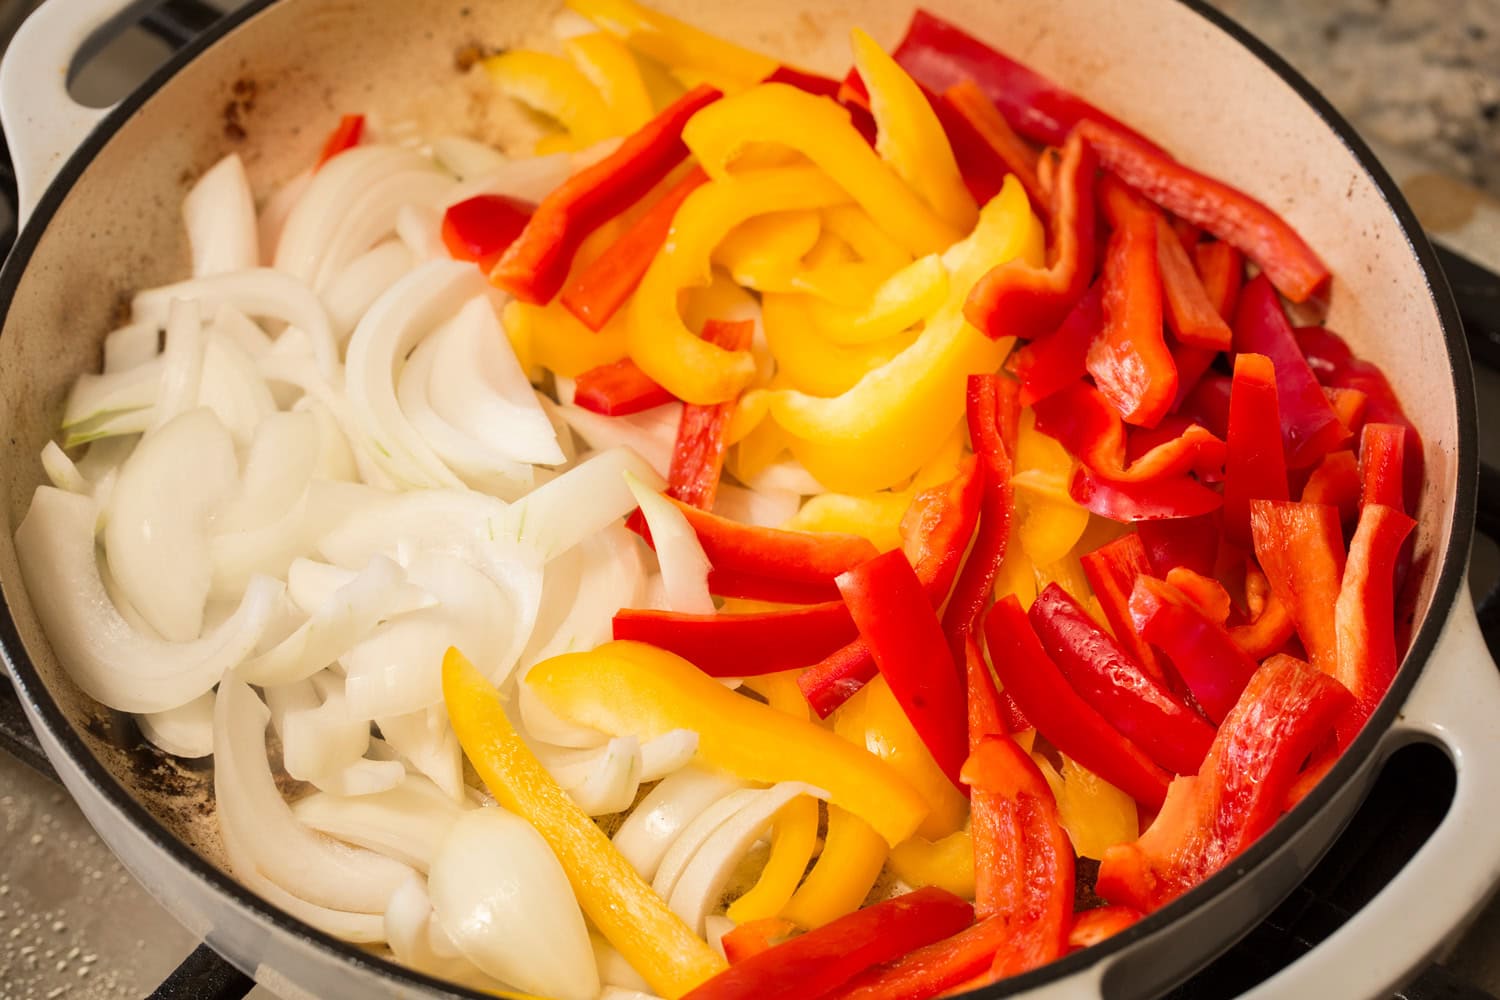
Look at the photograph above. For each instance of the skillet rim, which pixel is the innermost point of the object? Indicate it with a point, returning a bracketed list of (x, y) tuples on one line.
[(1446, 590)]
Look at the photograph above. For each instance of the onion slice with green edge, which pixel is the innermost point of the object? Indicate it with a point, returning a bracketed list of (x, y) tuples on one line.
[(700, 886), (95, 397), (408, 822), (581, 502), (504, 900), (315, 868), (219, 214), (156, 535), (656, 823), (186, 731), (684, 567), (258, 292)]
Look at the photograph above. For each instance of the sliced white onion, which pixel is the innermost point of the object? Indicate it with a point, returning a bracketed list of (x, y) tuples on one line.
[(277, 209), (505, 901), (94, 397), (260, 292), (615, 969), (61, 472), (426, 741), (443, 520), (310, 584), (410, 310), (379, 592), (584, 500), (321, 871), (182, 363), (220, 215), (185, 731), (363, 777), (130, 347), (667, 753), (323, 740), (232, 387), (694, 835), (651, 434), (656, 823), (621, 993), (684, 567), (362, 281), (529, 178), (609, 575), (276, 472), (407, 822), (235, 326), (610, 787), (715, 926), (335, 456), (786, 475), (420, 229), (374, 216), (466, 158), (418, 942), (700, 886), (156, 536), (765, 508)]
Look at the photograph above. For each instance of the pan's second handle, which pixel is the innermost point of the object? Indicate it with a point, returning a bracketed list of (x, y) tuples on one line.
[(1456, 705), (43, 124)]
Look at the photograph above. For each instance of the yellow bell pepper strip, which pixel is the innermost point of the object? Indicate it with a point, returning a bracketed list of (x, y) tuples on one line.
[(832, 272), (819, 129), (613, 895), (910, 137), (854, 226), (629, 688), (795, 835), (677, 45), (853, 856), (763, 253), (551, 337), (902, 300), (610, 67), (876, 516), (1048, 521), (895, 418), (1096, 814), (811, 362), (556, 88), (873, 719), (691, 369), (947, 863)]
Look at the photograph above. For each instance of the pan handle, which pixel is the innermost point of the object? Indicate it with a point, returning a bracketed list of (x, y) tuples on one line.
[(43, 123), (1455, 705)]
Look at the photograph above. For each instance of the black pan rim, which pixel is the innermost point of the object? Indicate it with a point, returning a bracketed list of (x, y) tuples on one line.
[(1446, 591)]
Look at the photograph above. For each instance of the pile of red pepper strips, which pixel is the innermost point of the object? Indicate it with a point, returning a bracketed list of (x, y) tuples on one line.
[(1249, 622)]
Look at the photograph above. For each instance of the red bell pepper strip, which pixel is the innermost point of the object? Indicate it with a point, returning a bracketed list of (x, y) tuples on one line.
[(800, 564), (895, 619), (698, 457), (1382, 464), (1023, 862), (965, 101), (1382, 407), (1191, 542), (1221, 269), (1158, 500), (1129, 359), (944, 968), (1336, 481), (1309, 427), (938, 55), (1057, 360), (481, 228), (1059, 713), (935, 531), (812, 83), (345, 135), (977, 578), (1139, 706), (619, 388), (1111, 571), (979, 164), (1208, 403), (1193, 363), (1286, 710), (1101, 923), (1231, 215), (1256, 465), (1187, 234), (811, 966), (1204, 592), (598, 291), (536, 265), (1018, 300), (1301, 549), (1085, 423), (1365, 613), (1325, 351), (1209, 663), (755, 936), (992, 712), (1271, 625), (1191, 316), (1349, 405), (743, 645)]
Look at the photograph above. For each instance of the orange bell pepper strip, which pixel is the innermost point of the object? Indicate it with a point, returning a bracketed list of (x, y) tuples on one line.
[(612, 894), (627, 688), (345, 136), (1272, 625), (1365, 615), (979, 113), (1301, 549), (755, 936), (1191, 316), (1206, 594)]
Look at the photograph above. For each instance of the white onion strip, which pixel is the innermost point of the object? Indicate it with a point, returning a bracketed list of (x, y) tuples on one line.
[(186, 731), (408, 822), (219, 213), (584, 500), (655, 824), (684, 567)]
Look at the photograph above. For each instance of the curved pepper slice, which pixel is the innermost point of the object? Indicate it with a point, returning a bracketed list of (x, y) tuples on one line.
[(674, 43), (481, 228), (902, 300), (910, 138), (1231, 215), (765, 253), (1300, 547), (810, 361), (1052, 363), (1025, 300), (660, 342), (1255, 468), (551, 337), (618, 389), (1068, 722), (535, 266), (1382, 407), (345, 136), (853, 855), (1088, 426), (1206, 658), (1365, 614), (556, 88), (1205, 593), (819, 129), (1273, 624), (626, 688), (1157, 500), (853, 225), (1286, 710), (1335, 481), (613, 71), (613, 895)]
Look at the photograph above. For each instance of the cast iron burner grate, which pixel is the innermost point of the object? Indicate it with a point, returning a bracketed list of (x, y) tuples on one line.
[(1404, 807)]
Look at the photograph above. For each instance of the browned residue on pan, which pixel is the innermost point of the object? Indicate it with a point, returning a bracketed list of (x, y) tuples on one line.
[(241, 103)]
